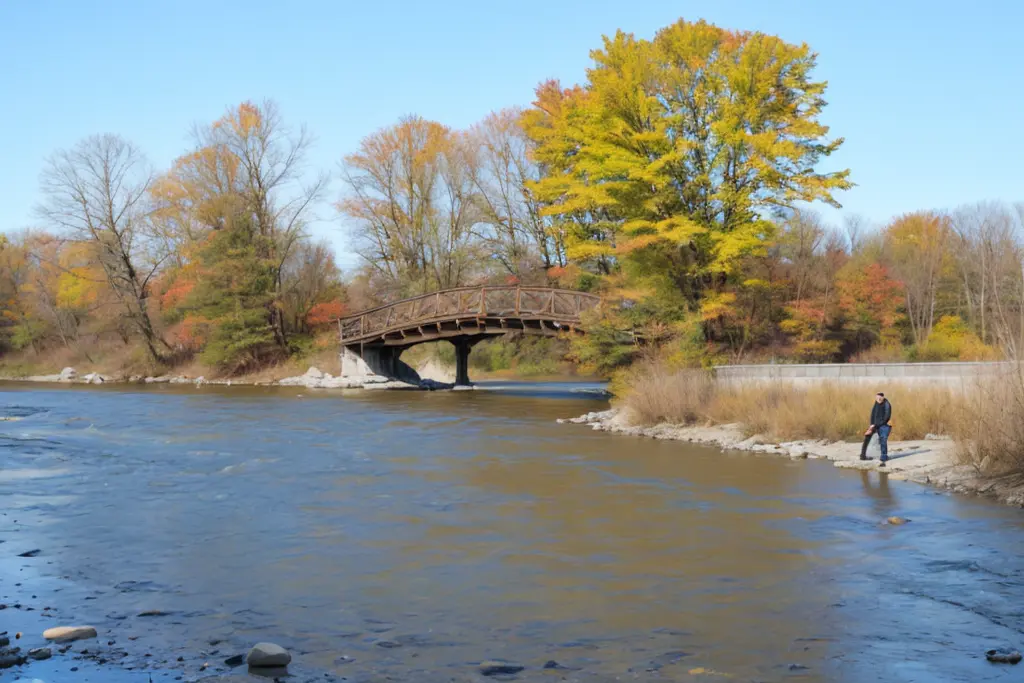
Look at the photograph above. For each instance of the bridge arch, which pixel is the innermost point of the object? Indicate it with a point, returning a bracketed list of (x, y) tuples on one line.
[(372, 340)]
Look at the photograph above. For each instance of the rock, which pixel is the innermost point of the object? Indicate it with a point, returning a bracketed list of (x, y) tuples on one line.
[(237, 660), (30, 553), (936, 437), (40, 653), (388, 644), (267, 655), (68, 375), (7, 661), (65, 634), (314, 373), (200, 380), (797, 453), (1003, 656), (495, 668), (552, 664), (135, 379), (152, 613), (4, 641), (896, 521)]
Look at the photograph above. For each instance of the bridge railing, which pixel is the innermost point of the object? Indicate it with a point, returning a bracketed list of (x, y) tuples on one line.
[(512, 301)]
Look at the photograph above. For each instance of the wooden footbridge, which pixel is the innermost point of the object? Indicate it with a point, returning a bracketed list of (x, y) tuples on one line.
[(463, 316)]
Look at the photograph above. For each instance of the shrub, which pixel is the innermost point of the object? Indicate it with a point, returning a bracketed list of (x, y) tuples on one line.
[(990, 427), (654, 395)]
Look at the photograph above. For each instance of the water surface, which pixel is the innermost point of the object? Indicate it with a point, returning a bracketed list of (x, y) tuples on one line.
[(410, 535)]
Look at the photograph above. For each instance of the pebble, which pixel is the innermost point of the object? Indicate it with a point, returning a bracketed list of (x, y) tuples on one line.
[(237, 660), (30, 553), (69, 633), (40, 653), (4, 641), (896, 521), (494, 668), (268, 655)]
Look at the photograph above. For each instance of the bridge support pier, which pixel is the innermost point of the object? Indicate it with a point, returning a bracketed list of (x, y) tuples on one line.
[(367, 362), (462, 348)]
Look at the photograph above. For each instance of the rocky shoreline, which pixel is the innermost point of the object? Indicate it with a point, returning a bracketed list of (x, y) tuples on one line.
[(928, 461), (314, 378)]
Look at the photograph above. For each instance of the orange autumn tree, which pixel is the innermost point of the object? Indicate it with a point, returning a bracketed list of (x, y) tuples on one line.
[(871, 302)]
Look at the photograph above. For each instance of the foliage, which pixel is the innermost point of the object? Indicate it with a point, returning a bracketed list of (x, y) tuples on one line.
[(231, 307), (951, 339)]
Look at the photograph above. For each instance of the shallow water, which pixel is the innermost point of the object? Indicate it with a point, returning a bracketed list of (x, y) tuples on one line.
[(410, 535)]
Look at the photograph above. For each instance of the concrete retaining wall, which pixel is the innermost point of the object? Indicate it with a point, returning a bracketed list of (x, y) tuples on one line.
[(875, 374)]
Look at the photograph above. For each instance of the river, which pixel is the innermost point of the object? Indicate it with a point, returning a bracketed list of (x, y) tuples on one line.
[(408, 536)]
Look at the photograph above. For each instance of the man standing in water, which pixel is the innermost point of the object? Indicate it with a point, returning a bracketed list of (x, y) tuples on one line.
[(881, 413)]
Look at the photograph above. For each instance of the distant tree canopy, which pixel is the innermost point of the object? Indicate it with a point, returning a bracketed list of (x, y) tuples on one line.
[(677, 181)]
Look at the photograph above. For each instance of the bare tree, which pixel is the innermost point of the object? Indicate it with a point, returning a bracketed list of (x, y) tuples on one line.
[(413, 205), (856, 226), (989, 253), (96, 192), (501, 169)]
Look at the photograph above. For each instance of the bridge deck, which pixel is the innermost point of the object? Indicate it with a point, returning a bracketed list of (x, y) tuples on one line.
[(467, 311)]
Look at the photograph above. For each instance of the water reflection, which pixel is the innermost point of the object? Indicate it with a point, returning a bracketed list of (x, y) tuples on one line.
[(876, 486)]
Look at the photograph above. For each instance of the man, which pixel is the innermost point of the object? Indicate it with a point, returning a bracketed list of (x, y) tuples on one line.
[(881, 413)]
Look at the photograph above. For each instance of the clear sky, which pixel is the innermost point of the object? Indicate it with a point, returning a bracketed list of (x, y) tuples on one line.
[(929, 95)]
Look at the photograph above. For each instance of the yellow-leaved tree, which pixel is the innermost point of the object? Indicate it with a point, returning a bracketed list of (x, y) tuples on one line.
[(665, 168)]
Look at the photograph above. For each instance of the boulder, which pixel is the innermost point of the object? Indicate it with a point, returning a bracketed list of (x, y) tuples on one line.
[(264, 655), (68, 375), (64, 634)]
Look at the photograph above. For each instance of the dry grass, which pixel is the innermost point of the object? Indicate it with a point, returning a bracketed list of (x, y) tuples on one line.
[(783, 411), (990, 427), (655, 394)]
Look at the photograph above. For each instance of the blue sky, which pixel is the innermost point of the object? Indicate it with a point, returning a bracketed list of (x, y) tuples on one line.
[(929, 95)]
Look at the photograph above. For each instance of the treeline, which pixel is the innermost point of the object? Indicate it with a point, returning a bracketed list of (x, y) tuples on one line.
[(208, 257), (676, 181)]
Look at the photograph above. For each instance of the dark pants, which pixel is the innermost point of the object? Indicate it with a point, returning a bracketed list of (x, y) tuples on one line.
[(883, 441)]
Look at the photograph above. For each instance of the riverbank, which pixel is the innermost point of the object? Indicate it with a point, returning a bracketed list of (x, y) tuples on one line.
[(929, 461), (313, 378)]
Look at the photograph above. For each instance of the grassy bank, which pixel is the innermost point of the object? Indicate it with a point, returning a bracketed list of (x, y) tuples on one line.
[(986, 419)]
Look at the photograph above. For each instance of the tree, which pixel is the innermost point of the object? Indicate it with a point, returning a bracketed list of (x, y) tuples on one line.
[(870, 301), (96, 193), (684, 143), (229, 309), (668, 165), (515, 232), (413, 205), (918, 247), (256, 164)]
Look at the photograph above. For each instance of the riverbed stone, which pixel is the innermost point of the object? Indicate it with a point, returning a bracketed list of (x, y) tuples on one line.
[(496, 668), (896, 521), (40, 653), (68, 374), (263, 655), (64, 634), (1003, 655), (9, 660)]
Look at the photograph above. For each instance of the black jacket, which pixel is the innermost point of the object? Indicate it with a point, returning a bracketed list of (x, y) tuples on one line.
[(881, 413)]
